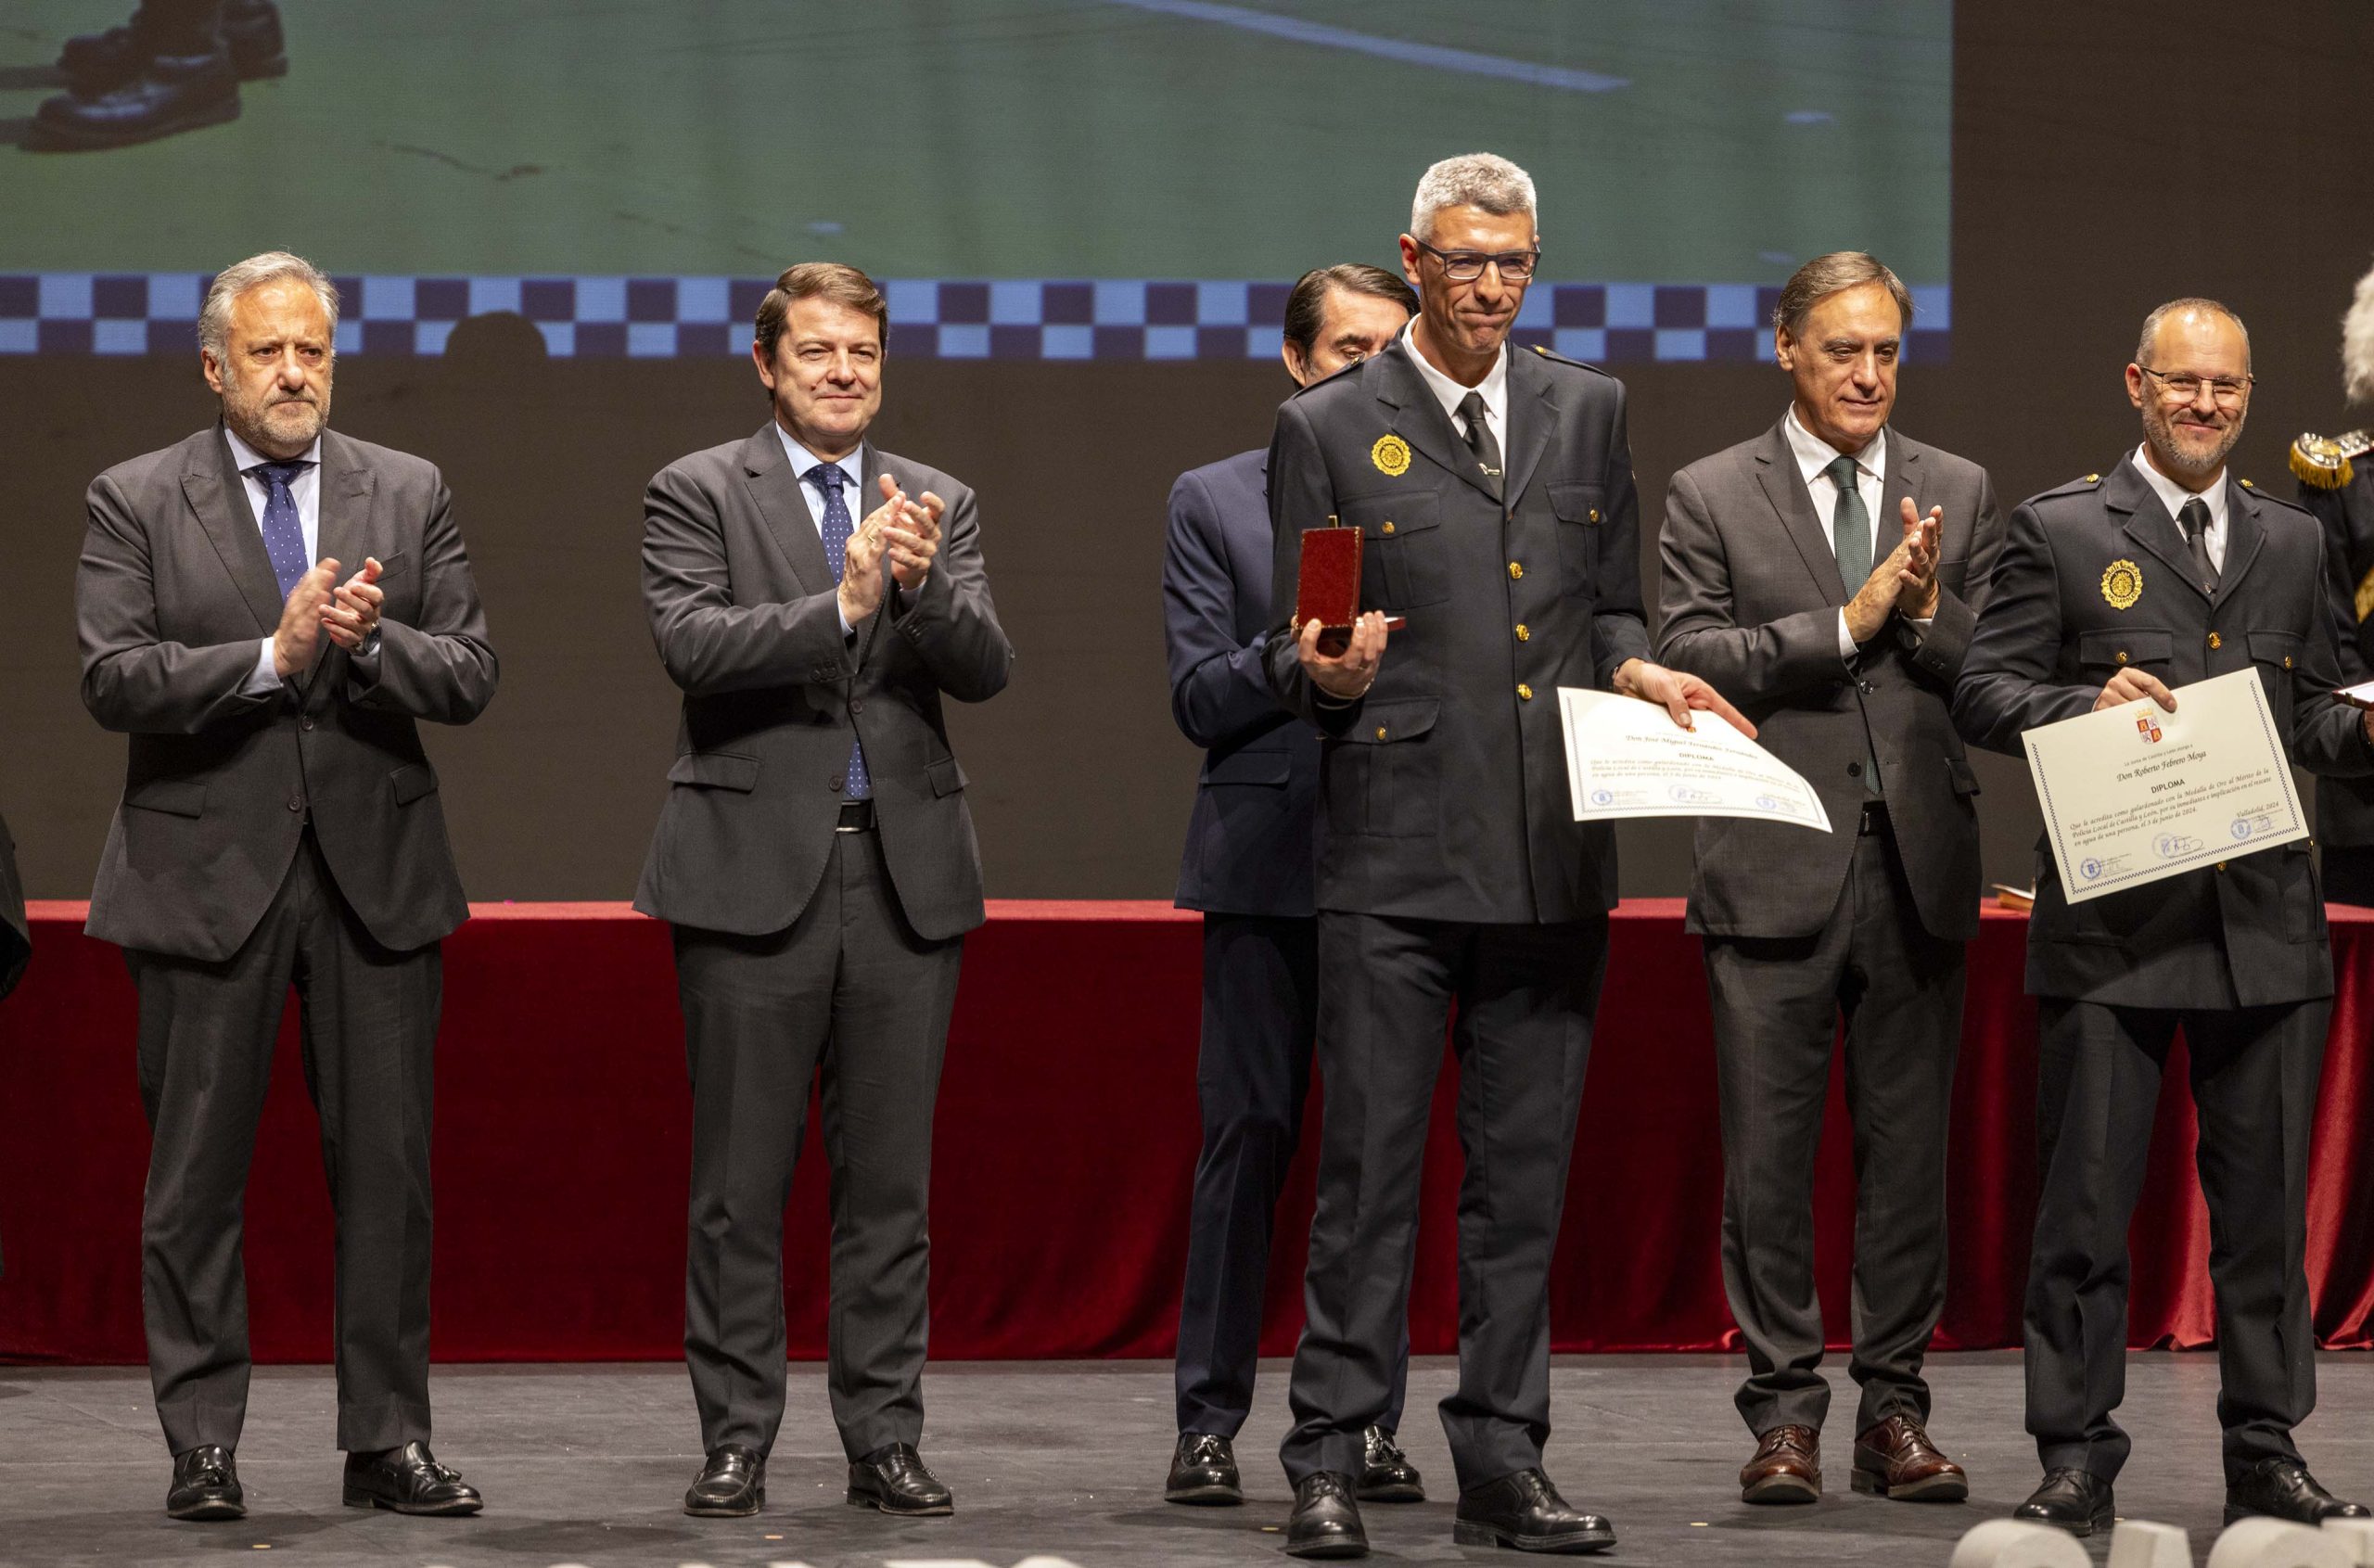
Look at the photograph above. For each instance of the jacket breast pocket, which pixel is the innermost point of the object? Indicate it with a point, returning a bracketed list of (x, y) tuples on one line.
[(2276, 657), (1402, 562), (1581, 512), (1383, 777), (2104, 654)]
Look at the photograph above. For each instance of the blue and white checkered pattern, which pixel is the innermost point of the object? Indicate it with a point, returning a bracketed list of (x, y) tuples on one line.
[(691, 317)]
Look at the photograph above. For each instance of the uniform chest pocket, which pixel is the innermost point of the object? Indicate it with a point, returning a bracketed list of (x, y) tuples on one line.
[(1402, 549), (2106, 653), (1581, 512)]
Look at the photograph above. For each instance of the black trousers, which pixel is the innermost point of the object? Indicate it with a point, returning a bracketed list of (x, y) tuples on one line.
[(848, 993), (1777, 1006), (1526, 998), (368, 1021), (1252, 1079), (2254, 1076)]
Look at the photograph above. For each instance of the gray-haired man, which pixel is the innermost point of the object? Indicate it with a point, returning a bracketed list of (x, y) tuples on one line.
[(268, 608), (1826, 574), (1494, 493)]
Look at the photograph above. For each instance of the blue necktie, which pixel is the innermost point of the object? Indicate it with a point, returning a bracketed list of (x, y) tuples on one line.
[(284, 535), (828, 479)]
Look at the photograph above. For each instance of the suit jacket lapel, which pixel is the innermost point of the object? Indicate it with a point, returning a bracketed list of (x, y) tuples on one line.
[(2244, 534), (1903, 482), (1419, 418), (213, 489), (767, 471), (1776, 470), (2148, 523), (1532, 415), (346, 488)]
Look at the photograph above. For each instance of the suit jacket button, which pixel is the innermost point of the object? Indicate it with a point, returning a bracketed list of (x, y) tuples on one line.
[(307, 723), (835, 782), (1865, 684), (1516, 570), (856, 705), (1854, 769), (296, 805)]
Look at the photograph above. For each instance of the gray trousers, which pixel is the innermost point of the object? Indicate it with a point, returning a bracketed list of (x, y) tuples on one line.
[(368, 1021), (1777, 1005), (848, 993), (2254, 1075), (1526, 998)]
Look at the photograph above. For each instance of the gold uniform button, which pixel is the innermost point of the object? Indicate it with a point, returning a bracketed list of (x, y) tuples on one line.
[(1525, 636), (1380, 732), (1594, 513), (1388, 524), (2287, 662), (2122, 656), (2092, 477), (2216, 641), (2221, 865), (1516, 570), (2247, 485), (1525, 693)]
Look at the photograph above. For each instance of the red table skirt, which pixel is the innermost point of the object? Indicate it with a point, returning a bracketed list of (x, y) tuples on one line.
[(1067, 1141)]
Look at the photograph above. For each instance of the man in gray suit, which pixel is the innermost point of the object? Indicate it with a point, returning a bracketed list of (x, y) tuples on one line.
[(2120, 587), (817, 860), (1847, 668), (280, 825), (1247, 867), (1494, 494)]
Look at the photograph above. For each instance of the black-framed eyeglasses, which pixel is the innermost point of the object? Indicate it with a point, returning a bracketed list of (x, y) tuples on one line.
[(2184, 387), (1466, 266)]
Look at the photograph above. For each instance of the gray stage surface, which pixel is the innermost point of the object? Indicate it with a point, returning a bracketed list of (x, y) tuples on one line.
[(1054, 1463)]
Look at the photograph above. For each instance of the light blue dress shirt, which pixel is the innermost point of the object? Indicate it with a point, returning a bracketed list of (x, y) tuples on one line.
[(852, 474)]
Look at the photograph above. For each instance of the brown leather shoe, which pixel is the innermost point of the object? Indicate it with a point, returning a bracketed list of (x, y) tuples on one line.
[(1896, 1460), (1787, 1467)]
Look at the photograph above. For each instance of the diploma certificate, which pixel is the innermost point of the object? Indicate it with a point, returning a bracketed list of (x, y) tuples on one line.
[(2134, 794), (1626, 758)]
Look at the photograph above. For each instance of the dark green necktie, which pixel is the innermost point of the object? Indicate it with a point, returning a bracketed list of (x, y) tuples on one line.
[(1850, 535)]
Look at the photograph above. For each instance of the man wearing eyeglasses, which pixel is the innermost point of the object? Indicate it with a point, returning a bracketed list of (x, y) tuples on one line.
[(1826, 574), (2121, 587), (1494, 494)]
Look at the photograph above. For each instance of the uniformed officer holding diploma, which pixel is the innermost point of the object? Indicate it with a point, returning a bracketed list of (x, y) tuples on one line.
[(2121, 592)]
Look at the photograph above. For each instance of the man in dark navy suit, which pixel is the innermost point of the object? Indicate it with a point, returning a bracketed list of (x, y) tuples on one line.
[(1247, 866)]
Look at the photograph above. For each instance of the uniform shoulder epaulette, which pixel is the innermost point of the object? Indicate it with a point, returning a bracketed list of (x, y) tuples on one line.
[(2325, 462), (1554, 355), (2074, 487), (2262, 493), (1336, 374)]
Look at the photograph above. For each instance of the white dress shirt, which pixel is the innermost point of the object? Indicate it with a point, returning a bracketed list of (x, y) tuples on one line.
[(2174, 496), (853, 471), (305, 489), (1814, 457), (1494, 388)]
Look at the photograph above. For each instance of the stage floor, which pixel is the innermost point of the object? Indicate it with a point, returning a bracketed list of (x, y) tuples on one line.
[(1062, 1460)]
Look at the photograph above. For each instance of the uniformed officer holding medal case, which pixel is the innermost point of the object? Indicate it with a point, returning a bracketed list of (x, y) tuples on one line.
[(1493, 495), (2133, 584)]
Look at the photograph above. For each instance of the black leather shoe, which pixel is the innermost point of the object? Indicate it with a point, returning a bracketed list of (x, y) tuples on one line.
[(1523, 1510), (2285, 1489), (407, 1480), (93, 63), (205, 1486), (2077, 1500), (894, 1480), (1386, 1474), (175, 93), (1202, 1471), (733, 1484), (1326, 1522)]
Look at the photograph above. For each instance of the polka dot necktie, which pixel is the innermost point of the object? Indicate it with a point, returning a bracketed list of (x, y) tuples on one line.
[(283, 534), (828, 479)]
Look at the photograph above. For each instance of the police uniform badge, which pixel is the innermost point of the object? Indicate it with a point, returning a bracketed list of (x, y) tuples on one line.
[(2122, 584), (1391, 456)]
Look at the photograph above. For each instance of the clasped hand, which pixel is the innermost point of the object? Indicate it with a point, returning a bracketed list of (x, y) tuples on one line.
[(907, 532), (1906, 581), (347, 613)]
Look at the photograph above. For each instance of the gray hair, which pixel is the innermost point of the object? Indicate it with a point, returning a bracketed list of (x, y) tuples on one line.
[(1475, 179), (1833, 274), (2179, 307), (214, 315), (2357, 343)]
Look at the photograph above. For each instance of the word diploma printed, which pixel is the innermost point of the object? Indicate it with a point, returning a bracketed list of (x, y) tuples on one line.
[(1626, 758), (2134, 794)]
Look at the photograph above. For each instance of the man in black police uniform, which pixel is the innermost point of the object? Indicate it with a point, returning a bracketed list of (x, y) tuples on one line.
[(1494, 491), (2336, 476), (2163, 572), (1247, 866)]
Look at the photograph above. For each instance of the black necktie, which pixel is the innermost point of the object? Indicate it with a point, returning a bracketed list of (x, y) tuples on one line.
[(2195, 518), (1480, 441)]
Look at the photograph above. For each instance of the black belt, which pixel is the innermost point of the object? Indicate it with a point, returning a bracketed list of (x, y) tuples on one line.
[(857, 816), (1875, 817)]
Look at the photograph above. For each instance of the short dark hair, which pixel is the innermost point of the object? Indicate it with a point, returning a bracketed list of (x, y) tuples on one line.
[(1833, 274), (820, 280), (1307, 306)]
